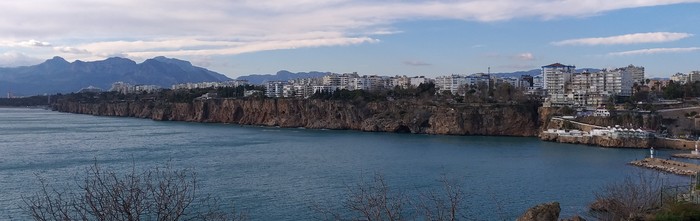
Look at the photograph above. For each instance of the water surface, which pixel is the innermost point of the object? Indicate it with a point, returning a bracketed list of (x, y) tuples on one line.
[(277, 174)]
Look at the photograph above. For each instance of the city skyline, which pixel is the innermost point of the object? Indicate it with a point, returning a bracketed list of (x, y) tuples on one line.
[(412, 38)]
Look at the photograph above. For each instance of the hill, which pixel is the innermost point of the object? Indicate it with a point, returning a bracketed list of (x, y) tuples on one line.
[(57, 75)]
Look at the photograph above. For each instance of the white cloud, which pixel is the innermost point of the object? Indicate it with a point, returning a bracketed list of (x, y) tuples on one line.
[(637, 38), (253, 46), (34, 43), (28, 43), (527, 56), (650, 51), (71, 50)]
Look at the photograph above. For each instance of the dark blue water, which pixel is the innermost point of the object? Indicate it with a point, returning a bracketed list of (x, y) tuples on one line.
[(277, 174)]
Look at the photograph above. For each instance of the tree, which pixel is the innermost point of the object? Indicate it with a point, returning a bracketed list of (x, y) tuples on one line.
[(376, 200), (161, 193), (445, 205), (629, 199)]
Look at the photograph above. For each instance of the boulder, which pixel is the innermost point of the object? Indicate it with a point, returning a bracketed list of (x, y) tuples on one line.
[(575, 218), (542, 212)]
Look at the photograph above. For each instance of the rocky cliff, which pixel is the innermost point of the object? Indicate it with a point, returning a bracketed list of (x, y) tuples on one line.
[(403, 116)]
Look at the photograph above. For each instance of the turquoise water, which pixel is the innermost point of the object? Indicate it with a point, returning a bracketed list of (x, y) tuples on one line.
[(277, 174)]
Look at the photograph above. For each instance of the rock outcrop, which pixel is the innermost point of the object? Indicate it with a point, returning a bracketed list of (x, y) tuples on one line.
[(542, 212), (403, 116)]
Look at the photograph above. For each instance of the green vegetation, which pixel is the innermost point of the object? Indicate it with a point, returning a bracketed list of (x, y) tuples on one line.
[(644, 197), (679, 211), (166, 95)]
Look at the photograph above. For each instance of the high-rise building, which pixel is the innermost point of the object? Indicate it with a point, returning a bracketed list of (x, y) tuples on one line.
[(556, 77), (693, 76), (275, 88), (636, 73)]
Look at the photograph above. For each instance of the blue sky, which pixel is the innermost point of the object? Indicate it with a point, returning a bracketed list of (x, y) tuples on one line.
[(431, 38)]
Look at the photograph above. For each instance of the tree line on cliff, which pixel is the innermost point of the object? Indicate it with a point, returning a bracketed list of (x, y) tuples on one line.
[(476, 94)]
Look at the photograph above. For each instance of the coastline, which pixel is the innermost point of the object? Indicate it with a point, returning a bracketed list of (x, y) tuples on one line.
[(402, 116), (406, 116)]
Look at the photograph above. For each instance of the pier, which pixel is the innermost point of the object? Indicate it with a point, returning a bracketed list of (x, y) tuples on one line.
[(669, 166)]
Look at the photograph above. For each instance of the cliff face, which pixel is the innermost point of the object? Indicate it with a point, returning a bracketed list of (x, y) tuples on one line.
[(626, 120), (386, 116)]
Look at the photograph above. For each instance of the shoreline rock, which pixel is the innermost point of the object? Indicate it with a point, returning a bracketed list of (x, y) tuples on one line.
[(668, 166)]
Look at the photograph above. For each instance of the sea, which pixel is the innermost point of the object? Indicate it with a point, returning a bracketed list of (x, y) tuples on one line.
[(286, 173)]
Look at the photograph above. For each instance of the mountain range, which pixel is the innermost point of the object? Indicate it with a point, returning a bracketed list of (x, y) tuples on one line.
[(57, 75)]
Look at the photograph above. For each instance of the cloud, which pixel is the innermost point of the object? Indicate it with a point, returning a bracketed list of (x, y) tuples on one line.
[(650, 51), (14, 59), (527, 56), (250, 46), (217, 27), (71, 50), (637, 38), (417, 63), (28, 43), (35, 43)]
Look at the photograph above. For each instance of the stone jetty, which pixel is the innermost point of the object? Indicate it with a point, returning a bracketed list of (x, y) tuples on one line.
[(669, 166)]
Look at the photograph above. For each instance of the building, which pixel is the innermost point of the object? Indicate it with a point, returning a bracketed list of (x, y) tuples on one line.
[(635, 73), (679, 78), (188, 86), (275, 88), (146, 88), (456, 84), (450, 83), (693, 76), (122, 87), (556, 77), (342, 81)]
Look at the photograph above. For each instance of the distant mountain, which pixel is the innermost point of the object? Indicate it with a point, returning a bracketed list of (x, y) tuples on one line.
[(280, 76), (57, 75)]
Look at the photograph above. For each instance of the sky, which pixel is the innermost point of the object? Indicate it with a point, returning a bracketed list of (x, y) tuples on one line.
[(384, 37)]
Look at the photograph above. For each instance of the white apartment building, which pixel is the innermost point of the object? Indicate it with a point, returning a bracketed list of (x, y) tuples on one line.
[(126, 88), (146, 88), (341, 81), (556, 77), (360, 84), (401, 81), (693, 76), (324, 89), (122, 87), (232, 83), (564, 87), (679, 78), (450, 83), (636, 73), (296, 90), (453, 82), (418, 80), (275, 88)]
